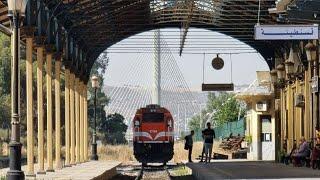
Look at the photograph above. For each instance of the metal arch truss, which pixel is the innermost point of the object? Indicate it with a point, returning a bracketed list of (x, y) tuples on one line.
[(83, 29)]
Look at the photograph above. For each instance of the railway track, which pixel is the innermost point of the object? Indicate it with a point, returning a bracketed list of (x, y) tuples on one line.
[(154, 172)]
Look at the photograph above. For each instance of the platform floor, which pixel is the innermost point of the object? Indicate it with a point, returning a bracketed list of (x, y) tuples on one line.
[(97, 170), (250, 170)]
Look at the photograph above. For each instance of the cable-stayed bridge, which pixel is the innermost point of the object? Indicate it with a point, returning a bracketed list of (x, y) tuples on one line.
[(137, 91)]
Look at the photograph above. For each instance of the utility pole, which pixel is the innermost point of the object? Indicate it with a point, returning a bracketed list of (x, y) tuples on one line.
[(156, 94), (185, 118), (179, 120)]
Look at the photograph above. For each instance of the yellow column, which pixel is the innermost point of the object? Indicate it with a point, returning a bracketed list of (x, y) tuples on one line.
[(58, 113), (72, 119), (30, 138), (49, 111), (85, 111), (81, 122), (40, 110), (77, 121), (67, 116)]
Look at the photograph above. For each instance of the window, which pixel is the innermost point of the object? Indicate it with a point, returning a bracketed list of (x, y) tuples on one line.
[(153, 117), (266, 137)]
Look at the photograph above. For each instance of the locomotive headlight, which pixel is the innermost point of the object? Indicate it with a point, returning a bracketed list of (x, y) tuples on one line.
[(170, 123), (136, 123)]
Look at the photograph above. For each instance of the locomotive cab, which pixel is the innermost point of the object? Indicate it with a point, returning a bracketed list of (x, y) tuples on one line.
[(153, 135)]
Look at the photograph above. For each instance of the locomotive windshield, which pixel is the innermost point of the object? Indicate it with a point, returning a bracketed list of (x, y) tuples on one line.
[(153, 117)]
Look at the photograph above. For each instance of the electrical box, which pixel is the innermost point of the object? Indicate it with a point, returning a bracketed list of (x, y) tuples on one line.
[(299, 100), (262, 106)]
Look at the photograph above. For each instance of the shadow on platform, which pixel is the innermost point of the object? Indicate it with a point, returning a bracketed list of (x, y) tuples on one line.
[(249, 170)]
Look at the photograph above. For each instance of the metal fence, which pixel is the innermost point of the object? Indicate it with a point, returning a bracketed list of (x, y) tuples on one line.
[(235, 127)]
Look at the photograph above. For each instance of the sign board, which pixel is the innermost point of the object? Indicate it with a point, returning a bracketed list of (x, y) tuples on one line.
[(217, 87), (286, 32), (315, 84)]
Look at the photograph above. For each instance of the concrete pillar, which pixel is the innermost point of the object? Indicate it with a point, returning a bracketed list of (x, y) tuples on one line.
[(40, 110), (67, 117), (81, 122), (30, 136), (77, 112), (49, 111), (72, 119), (57, 113), (156, 93)]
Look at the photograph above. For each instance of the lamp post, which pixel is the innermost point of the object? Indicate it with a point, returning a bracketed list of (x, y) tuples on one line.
[(16, 10), (274, 77), (311, 51), (289, 64), (95, 85), (281, 72)]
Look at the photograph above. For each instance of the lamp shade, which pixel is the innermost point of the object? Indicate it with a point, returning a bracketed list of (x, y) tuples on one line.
[(17, 6), (311, 51), (281, 71), (95, 82), (289, 66), (273, 74)]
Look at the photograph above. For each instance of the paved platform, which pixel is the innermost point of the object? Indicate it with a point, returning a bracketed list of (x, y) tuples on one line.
[(96, 170), (250, 170)]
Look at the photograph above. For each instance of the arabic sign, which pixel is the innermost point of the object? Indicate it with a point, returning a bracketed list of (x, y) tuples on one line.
[(217, 87), (286, 32), (315, 84)]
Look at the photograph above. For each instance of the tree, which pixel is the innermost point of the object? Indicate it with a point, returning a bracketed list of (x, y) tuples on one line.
[(221, 108), (113, 129), (227, 109), (98, 69), (5, 59), (198, 121)]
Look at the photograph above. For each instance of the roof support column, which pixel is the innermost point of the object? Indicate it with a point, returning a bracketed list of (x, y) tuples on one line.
[(49, 111), (30, 128), (85, 124), (72, 119), (77, 120), (81, 122), (57, 112), (40, 110), (67, 117)]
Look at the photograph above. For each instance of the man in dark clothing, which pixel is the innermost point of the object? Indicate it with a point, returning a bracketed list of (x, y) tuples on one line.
[(209, 135), (189, 143)]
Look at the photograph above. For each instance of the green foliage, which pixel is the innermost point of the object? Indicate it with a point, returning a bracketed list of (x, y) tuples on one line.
[(5, 110), (5, 87), (98, 70), (227, 109), (113, 129), (5, 68), (220, 109), (248, 139)]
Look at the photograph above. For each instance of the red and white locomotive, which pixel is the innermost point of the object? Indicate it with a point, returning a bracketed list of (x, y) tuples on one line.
[(153, 135)]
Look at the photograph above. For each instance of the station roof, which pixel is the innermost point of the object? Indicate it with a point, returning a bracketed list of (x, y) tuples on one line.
[(99, 24)]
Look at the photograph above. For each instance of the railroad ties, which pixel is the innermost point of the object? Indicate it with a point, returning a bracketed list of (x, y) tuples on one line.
[(154, 172)]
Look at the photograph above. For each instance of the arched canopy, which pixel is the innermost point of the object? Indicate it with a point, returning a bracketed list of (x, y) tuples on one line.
[(83, 29)]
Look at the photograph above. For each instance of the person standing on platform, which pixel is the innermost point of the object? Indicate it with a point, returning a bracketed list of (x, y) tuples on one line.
[(203, 148), (189, 144), (209, 135)]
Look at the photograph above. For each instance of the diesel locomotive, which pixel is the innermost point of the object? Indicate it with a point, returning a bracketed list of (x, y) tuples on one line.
[(153, 135)]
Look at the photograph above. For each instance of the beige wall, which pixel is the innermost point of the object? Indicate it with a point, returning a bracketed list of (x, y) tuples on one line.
[(254, 126), (296, 121)]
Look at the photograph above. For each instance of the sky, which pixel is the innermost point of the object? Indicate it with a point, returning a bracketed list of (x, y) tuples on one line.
[(131, 60)]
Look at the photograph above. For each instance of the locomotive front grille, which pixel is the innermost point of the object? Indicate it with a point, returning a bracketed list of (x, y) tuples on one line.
[(153, 152)]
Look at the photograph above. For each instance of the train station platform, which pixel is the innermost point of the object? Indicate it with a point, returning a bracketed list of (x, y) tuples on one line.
[(92, 170), (226, 169)]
